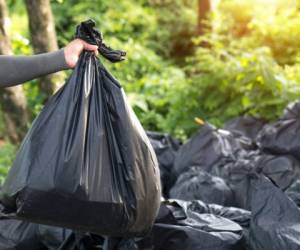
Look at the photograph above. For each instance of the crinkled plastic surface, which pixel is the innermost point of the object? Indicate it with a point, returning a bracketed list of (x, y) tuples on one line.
[(190, 226), (292, 111), (21, 235), (86, 163), (87, 32), (293, 192), (196, 184), (18, 235), (246, 126), (283, 170), (165, 148), (83, 241), (275, 222), (281, 137), (209, 148)]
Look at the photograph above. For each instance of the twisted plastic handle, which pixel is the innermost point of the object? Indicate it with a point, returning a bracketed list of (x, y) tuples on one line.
[(87, 32)]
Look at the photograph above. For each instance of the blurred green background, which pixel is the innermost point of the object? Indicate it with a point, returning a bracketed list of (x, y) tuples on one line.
[(211, 59)]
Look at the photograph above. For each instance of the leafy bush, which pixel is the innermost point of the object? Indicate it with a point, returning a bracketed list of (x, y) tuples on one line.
[(255, 24), (134, 27), (7, 155), (249, 63)]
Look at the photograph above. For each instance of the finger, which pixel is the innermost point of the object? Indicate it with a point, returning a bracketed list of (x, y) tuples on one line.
[(90, 47)]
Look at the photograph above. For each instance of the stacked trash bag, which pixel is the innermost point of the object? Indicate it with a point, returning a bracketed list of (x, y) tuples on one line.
[(87, 176)]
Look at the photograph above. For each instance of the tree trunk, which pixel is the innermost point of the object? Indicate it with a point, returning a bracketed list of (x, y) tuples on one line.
[(204, 8), (43, 38), (12, 100)]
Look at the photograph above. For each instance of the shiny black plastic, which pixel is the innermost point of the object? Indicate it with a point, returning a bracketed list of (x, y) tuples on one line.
[(193, 225), (87, 32), (282, 170), (165, 148), (86, 163), (209, 148), (275, 218), (196, 184), (282, 136), (21, 235), (246, 126)]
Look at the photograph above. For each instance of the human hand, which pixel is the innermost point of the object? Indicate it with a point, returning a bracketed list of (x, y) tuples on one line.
[(73, 50)]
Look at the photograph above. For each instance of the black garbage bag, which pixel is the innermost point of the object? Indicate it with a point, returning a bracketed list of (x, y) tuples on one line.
[(275, 222), (210, 148), (165, 148), (190, 226), (292, 111), (21, 235), (281, 137), (86, 163), (52, 237), (239, 216), (246, 126), (282, 170), (196, 184), (293, 192), (235, 174), (125, 244), (83, 241)]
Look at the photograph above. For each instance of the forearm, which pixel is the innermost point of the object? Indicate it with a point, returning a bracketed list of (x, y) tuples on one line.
[(19, 69)]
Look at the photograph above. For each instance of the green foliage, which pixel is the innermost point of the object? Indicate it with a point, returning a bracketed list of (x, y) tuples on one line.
[(228, 82), (245, 64), (281, 35), (133, 27), (248, 62), (7, 154), (177, 22), (261, 24)]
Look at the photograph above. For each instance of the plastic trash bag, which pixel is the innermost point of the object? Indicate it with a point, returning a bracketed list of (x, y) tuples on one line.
[(210, 148), (124, 244), (281, 136), (18, 235), (246, 126), (292, 111), (86, 163), (196, 184), (82, 241), (239, 216), (236, 176), (283, 170), (21, 235), (165, 148), (275, 222), (190, 226), (293, 192)]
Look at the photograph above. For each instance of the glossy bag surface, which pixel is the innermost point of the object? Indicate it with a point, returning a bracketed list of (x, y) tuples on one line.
[(86, 163), (275, 221)]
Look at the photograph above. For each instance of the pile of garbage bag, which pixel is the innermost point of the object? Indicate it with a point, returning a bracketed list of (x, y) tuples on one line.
[(250, 165), (87, 176)]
